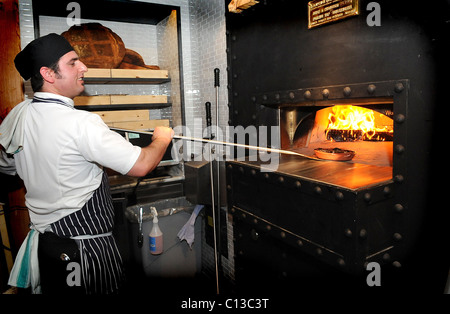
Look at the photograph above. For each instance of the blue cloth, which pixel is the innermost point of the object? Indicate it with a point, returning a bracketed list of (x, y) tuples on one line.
[(25, 271)]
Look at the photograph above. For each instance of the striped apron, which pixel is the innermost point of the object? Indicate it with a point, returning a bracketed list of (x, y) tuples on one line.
[(91, 227)]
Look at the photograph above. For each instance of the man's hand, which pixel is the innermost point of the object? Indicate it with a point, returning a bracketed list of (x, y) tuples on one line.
[(163, 133), (152, 154)]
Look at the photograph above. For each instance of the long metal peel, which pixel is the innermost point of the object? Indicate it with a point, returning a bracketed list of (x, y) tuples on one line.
[(216, 142)]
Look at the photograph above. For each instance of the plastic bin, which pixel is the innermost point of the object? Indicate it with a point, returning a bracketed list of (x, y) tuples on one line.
[(177, 259)]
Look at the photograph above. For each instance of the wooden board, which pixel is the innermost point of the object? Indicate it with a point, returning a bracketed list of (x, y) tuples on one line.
[(123, 115), (106, 100), (93, 72), (137, 99), (139, 125), (132, 73), (125, 73), (92, 100)]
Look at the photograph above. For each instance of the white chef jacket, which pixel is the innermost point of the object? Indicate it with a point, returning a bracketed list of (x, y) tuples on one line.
[(62, 157)]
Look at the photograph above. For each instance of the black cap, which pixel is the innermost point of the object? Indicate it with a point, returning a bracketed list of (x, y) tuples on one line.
[(41, 52)]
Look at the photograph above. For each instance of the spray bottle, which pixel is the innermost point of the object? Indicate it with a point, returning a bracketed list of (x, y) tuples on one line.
[(155, 236)]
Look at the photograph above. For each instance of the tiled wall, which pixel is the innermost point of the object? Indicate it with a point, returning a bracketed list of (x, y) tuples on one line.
[(203, 45)]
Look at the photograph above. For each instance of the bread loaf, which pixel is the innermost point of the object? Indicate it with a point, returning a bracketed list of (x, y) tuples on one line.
[(133, 60), (96, 45)]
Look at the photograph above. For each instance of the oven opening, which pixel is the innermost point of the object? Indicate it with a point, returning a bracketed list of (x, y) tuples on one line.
[(366, 129)]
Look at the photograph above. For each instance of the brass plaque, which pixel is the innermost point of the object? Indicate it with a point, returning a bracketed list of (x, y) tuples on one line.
[(326, 11)]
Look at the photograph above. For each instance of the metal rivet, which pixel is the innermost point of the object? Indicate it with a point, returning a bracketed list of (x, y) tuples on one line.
[(299, 242), (228, 187), (348, 233), (398, 208), (264, 97), (399, 149), (318, 190), (399, 118), (397, 236), (386, 257), (277, 96), (341, 262), (367, 197), (363, 233), (347, 91), (397, 264), (266, 176), (339, 196), (241, 169), (399, 87), (325, 93), (255, 221), (298, 184), (253, 98), (387, 190), (283, 234), (399, 178), (243, 215), (319, 251), (281, 179), (371, 88), (268, 227), (291, 95), (307, 94)]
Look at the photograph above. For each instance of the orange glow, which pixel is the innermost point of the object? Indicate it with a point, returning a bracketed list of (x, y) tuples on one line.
[(358, 122)]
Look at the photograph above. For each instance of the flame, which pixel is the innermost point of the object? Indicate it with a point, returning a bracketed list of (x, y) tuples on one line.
[(354, 118)]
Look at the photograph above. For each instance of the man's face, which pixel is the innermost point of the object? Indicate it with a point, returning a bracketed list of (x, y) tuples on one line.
[(69, 79)]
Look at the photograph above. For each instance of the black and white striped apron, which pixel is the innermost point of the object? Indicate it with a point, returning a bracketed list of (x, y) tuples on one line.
[(91, 227)]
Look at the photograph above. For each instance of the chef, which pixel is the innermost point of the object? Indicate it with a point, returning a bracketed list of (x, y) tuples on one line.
[(59, 152)]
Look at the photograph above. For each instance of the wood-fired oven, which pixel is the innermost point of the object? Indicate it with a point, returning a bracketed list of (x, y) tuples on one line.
[(314, 222)]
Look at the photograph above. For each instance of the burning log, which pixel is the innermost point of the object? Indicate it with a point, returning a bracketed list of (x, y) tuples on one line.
[(358, 135)]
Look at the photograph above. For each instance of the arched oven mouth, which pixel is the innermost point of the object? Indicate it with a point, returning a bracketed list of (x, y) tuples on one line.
[(307, 120), (364, 128)]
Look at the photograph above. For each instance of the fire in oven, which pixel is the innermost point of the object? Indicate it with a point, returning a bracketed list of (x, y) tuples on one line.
[(345, 206)]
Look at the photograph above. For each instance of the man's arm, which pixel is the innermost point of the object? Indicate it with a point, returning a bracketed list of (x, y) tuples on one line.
[(152, 154)]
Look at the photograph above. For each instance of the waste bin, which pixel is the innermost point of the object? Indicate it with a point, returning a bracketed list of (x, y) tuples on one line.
[(178, 258)]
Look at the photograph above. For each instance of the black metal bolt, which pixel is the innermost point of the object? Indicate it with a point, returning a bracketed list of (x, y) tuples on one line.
[(399, 87), (347, 91), (398, 208), (371, 89), (348, 233), (399, 118), (399, 149), (363, 233), (339, 196)]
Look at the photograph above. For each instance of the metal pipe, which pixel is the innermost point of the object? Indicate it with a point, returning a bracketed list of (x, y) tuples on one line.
[(211, 172), (218, 151)]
